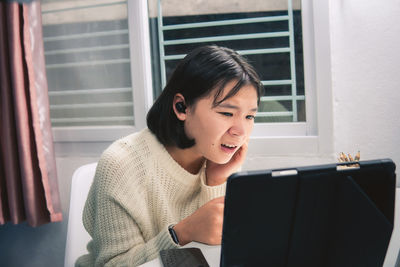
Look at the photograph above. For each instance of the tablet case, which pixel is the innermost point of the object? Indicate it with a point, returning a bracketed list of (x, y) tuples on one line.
[(320, 216), (183, 257)]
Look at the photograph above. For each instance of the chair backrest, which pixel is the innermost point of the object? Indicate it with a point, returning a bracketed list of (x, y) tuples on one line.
[(77, 237)]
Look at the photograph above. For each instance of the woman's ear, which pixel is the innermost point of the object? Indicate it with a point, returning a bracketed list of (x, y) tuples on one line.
[(179, 107)]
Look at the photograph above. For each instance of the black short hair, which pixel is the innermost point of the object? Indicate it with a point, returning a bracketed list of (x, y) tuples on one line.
[(204, 69)]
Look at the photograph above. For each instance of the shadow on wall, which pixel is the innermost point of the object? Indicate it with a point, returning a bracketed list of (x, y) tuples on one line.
[(22, 245)]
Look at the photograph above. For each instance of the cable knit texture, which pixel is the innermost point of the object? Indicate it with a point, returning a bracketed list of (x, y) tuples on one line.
[(138, 190)]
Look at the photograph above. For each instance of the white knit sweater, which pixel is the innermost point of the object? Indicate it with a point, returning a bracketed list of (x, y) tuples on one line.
[(139, 190)]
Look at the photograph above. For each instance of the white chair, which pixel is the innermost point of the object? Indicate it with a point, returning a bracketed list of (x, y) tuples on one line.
[(77, 237)]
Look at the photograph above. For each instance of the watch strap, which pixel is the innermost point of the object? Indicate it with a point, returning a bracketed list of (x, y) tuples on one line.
[(173, 234)]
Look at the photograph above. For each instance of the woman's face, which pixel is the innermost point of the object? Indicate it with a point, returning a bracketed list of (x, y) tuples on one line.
[(220, 131)]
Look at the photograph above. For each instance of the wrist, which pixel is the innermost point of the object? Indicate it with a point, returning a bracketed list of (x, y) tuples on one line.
[(182, 233), (211, 180), (215, 182)]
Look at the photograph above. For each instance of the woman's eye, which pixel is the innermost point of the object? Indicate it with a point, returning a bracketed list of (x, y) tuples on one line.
[(226, 114), (250, 117)]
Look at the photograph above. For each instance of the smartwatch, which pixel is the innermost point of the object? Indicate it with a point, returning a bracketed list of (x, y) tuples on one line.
[(173, 234)]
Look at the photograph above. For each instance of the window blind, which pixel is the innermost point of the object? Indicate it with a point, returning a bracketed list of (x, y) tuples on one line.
[(87, 56)]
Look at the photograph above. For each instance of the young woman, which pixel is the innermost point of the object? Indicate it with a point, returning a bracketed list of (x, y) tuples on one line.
[(163, 187)]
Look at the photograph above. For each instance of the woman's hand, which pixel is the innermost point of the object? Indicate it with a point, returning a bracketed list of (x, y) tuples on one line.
[(219, 173), (204, 225)]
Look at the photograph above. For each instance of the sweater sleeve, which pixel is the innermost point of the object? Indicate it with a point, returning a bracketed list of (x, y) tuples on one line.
[(117, 239)]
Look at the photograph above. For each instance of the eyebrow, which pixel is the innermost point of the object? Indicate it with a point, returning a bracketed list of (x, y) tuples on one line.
[(225, 105)]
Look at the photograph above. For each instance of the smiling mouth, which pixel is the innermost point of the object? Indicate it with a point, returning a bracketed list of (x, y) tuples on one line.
[(228, 148)]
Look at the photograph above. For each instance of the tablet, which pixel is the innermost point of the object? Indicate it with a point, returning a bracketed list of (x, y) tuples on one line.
[(325, 215)]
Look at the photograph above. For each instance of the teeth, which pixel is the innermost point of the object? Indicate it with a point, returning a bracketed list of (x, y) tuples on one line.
[(230, 146)]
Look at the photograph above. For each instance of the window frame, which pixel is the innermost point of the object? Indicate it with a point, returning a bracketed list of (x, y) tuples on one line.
[(141, 78), (313, 137)]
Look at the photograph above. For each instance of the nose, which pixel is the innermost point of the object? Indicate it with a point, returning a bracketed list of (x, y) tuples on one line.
[(238, 128)]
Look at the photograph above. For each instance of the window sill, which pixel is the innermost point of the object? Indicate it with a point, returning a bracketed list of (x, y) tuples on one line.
[(288, 146), (91, 134), (87, 141), (91, 141)]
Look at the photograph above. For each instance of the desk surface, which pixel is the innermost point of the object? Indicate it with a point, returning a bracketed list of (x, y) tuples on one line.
[(212, 253)]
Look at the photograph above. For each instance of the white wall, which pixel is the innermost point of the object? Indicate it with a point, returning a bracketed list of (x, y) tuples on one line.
[(365, 66), (365, 44)]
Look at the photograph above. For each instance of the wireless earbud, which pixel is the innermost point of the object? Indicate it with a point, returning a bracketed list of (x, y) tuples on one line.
[(180, 107)]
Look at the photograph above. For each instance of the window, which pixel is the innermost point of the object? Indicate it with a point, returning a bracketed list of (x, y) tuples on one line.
[(89, 68), (268, 33), (279, 39), (137, 53)]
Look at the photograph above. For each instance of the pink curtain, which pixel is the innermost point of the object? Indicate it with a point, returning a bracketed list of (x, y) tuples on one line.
[(28, 179)]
